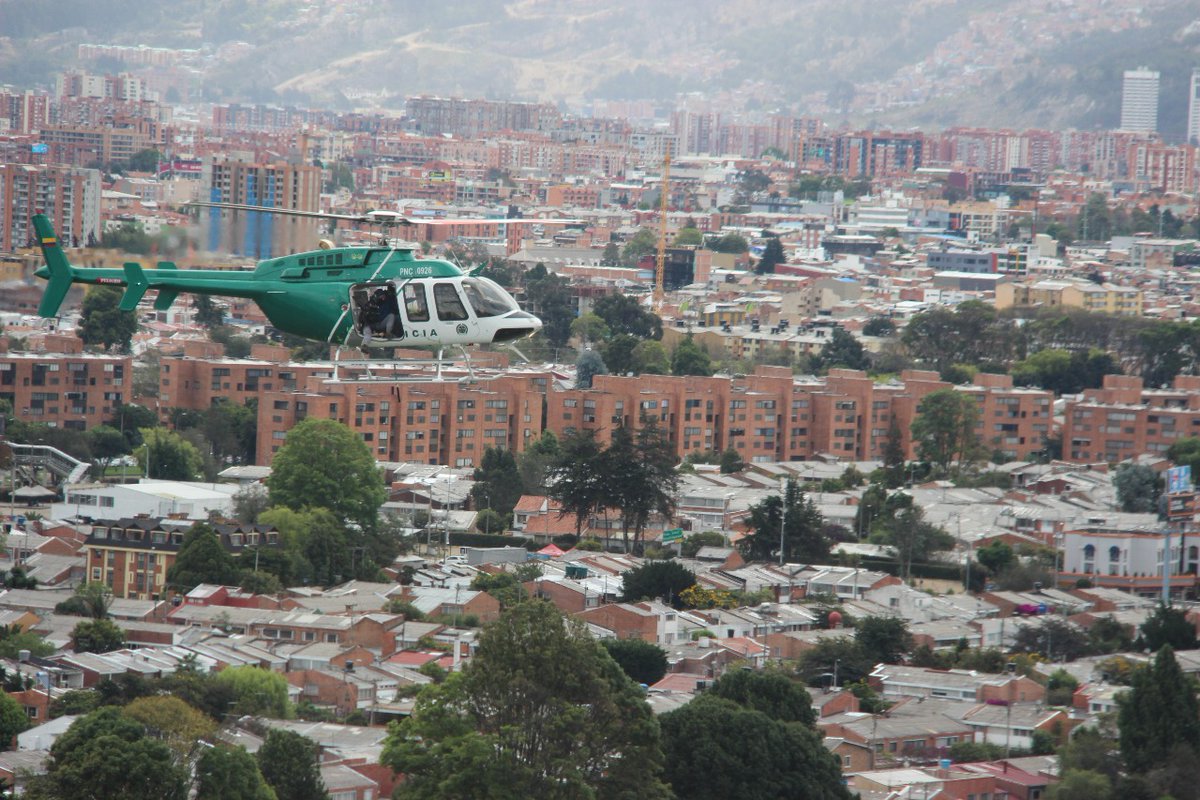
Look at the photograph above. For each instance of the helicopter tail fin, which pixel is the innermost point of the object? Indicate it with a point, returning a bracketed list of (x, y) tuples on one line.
[(56, 264), (135, 286), (165, 296)]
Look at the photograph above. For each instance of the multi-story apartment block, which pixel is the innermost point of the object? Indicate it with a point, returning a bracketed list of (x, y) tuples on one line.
[(132, 556), (75, 390), (1123, 419), (769, 416), (1102, 298), (766, 416), (69, 196)]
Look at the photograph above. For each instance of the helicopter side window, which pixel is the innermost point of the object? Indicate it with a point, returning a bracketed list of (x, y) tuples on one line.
[(449, 306), (488, 299), (416, 304)]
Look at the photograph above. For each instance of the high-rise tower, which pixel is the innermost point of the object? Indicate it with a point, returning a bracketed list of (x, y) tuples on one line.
[(1139, 100), (1193, 129)]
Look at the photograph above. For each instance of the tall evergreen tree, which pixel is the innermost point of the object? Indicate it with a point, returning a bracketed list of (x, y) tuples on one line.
[(772, 255), (577, 482), (498, 483), (201, 559), (804, 539), (1159, 713)]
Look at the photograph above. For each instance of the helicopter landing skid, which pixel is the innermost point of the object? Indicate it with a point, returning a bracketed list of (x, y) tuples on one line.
[(402, 371)]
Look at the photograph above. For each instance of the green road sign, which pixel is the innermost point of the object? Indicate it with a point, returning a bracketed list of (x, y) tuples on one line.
[(673, 535)]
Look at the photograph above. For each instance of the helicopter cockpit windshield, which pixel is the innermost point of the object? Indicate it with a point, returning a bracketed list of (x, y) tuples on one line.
[(487, 298)]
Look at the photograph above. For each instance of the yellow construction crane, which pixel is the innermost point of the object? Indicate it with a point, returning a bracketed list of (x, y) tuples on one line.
[(660, 267)]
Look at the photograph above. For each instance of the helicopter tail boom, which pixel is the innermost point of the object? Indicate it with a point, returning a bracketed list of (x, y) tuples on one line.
[(56, 263)]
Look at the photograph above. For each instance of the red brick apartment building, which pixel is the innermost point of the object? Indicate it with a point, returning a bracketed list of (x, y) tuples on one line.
[(69, 389), (1123, 419), (767, 416), (771, 416)]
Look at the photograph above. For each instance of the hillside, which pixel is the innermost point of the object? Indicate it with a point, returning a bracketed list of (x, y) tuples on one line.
[(1053, 63)]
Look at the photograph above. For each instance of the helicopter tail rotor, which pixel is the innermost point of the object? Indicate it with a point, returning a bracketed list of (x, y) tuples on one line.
[(57, 267)]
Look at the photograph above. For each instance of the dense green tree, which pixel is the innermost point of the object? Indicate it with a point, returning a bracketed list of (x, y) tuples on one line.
[(1186, 452), (842, 350), (690, 358), (879, 326), (944, 429), (13, 718), (1065, 372), (804, 541), (90, 599), (201, 559), (106, 443), (656, 580), (103, 323), (288, 762), (884, 640), (1090, 748), (641, 478), (165, 455), (208, 314), (650, 358), (97, 636), (716, 748), (1053, 639), (575, 483), (534, 464), (1107, 635), (589, 328), (624, 315), (257, 691), (642, 243), (232, 431), (644, 662), (691, 544), (1080, 785), (589, 364), (541, 710), (688, 236), (1138, 487), (325, 464), (618, 354), (230, 773), (130, 419), (729, 243), (842, 655), (1159, 713), (498, 483), (970, 333), (1060, 688), (772, 255), (174, 722), (913, 538), (996, 556), (1168, 626), (612, 254), (771, 692), (107, 756), (549, 296), (731, 461)]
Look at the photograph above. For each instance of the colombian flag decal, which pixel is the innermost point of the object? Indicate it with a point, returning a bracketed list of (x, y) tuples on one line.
[(49, 240)]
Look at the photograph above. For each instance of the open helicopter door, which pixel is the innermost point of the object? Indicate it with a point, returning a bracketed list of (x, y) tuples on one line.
[(375, 313)]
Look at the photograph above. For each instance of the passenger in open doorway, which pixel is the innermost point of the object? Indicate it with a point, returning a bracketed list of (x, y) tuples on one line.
[(377, 316)]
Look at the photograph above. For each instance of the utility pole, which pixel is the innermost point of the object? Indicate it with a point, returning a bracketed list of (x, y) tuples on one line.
[(661, 263), (783, 486)]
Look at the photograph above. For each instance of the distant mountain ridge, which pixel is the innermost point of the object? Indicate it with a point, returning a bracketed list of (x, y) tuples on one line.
[(932, 63)]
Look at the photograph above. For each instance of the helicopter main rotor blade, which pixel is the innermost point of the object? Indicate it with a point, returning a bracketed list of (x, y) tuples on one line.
[(492, 221), (290, 212), (388, 219)]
